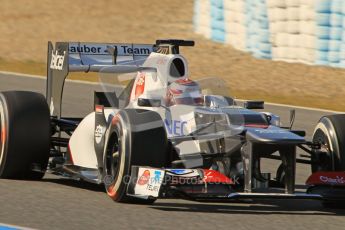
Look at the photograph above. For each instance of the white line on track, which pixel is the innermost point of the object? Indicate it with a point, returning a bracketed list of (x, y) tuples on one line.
[(12, 227), (44, 77), (95, 83)]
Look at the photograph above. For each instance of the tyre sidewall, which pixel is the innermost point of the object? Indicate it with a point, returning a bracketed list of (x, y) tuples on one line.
[(4, 133), (330, 130), (116, 188), (26, 122)]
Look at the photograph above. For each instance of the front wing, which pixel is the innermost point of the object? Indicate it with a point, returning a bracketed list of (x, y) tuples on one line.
[(204, 185)]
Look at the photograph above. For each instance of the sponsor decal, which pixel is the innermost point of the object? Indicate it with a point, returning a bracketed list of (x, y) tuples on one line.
[(157, 177), (175, 127), (183, 176), (99, 133), (179, 171), (130, 50), (330, 180), (155, 182), (184, 172), (51, 106), (150, 181), (144, 178), (101, 49), (265, 131), (57, 60), (85, 49), (140, 86)]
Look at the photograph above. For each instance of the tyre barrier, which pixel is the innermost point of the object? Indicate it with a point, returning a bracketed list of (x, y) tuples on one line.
[(307, 31)]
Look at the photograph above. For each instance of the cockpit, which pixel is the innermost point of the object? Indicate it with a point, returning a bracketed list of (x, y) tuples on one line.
[(184, 92)]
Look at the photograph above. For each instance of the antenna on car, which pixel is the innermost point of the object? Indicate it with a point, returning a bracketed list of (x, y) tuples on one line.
[(292, 117), (171, 46)]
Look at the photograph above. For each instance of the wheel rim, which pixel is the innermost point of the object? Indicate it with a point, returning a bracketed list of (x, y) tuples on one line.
[(113, 158), (324, 163)]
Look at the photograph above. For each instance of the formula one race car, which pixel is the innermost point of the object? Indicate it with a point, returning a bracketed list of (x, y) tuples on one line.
[(155, 133)]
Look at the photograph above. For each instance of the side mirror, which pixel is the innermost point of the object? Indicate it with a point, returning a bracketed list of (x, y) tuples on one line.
[(254, 104), (149, 102)]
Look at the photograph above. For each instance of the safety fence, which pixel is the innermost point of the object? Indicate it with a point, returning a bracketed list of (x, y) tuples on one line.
[(307, 31)]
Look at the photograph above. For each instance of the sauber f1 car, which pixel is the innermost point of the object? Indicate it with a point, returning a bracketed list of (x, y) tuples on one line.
[(155, 133)]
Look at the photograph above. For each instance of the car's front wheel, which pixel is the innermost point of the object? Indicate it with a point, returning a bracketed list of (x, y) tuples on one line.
[(135, 137), (330, 134)]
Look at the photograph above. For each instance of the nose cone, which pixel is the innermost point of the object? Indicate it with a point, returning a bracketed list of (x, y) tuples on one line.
[(273, 135)]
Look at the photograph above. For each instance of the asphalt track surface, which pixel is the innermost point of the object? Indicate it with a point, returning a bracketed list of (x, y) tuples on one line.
[(58, 203)]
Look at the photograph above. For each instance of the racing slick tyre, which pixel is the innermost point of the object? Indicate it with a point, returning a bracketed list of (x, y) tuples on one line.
[(135, 137), (330, 133), (25, 135)]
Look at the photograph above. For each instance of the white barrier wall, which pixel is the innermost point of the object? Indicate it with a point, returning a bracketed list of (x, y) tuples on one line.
[(202, 19), (258, 33), (235, 23), (307, 31), (292, 30), (329, 36)]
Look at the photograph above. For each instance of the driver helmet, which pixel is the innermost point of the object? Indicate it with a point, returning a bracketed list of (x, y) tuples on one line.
[(184, 92)]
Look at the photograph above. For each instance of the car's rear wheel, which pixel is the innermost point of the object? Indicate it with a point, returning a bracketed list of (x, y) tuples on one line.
[(25, 135), (135, 137), (330, 134)]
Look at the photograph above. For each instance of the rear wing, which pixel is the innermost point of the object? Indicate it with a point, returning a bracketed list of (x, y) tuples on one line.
[(92, 56), (68, 57), (86, 57)]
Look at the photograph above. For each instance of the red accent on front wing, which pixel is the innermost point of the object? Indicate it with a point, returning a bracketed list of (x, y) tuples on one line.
[(213, 176), (327, 178)]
